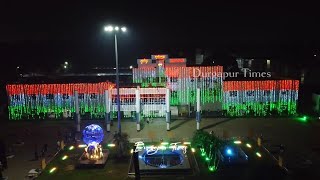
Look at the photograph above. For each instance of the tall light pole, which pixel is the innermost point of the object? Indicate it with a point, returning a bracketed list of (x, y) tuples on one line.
[(115, 30)]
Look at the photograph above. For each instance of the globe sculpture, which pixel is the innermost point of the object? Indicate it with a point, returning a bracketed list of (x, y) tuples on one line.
[(93, 136)]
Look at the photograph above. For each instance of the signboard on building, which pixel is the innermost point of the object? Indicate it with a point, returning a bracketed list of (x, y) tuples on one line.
[(159, 57)]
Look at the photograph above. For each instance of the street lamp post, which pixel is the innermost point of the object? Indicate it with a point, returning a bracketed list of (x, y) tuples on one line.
[(115, 30)]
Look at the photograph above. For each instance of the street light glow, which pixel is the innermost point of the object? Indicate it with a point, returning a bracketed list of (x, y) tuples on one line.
[(131, 67), (116, 28), (108, 28)]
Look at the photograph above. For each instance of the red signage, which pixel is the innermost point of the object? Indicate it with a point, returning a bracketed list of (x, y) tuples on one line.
[(177, 60)]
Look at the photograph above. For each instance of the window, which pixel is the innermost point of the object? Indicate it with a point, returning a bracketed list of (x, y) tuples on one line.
[(173, 79), (266, 93), (233, 93), (93, 96), (250, 93), (80, 96), (49, 96), (285, 92), (16, 97), (65, 96)]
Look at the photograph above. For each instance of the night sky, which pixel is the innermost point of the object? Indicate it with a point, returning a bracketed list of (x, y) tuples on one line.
[(42, 35)]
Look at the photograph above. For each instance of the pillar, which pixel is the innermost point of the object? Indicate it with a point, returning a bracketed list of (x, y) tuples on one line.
[(107, 101), (259, 141), (136, 163), (280, 161), (77, 117), (62, 145), (168, 112), (138, 107), (198, 113), (43, 163)]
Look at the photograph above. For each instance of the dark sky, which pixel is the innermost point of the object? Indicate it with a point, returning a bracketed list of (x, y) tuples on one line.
[(42, 34)]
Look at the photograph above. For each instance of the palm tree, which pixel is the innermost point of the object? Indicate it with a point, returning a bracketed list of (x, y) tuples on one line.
[(122, 144)]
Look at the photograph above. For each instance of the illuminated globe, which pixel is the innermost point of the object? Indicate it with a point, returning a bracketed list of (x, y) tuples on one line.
[(92, 134)]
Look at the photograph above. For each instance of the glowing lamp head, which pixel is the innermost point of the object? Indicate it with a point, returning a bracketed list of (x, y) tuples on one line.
[(123, 29), (108, 28), (52, 170), (229, 152), (258, 154)]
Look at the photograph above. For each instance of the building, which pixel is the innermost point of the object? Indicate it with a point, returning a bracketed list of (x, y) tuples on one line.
[(220, 92)]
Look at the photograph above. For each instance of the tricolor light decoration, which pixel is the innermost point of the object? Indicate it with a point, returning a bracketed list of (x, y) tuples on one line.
[(260, 98), (152, 101), (183, 82), (37, 101)]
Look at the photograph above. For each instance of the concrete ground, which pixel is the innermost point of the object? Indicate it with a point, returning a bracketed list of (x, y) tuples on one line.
[(301, 139)]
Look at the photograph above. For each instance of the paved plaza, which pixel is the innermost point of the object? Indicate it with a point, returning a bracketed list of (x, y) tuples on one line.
[(300, 139)]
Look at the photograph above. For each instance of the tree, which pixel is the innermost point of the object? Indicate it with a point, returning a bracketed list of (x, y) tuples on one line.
[(122, 144), (209, 145)]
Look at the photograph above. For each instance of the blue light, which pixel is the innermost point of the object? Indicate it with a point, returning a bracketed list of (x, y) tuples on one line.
[(140, 157), (229, 152), (162, 166), (92, 134)]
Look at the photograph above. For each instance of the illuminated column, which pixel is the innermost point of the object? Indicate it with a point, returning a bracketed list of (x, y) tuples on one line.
[(76, 96), (168, 113), (198, 113), (108, 108), (138, 108)]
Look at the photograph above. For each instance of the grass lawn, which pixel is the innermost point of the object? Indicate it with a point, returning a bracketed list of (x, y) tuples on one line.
[(114, 168), (263, 167)]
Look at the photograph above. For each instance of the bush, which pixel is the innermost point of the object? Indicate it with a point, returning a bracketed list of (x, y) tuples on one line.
[(209, 144)]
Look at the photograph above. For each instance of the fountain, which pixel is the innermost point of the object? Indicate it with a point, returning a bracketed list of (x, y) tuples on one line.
[(93, 155)]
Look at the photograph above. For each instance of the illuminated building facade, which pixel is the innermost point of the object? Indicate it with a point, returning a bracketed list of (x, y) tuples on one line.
[(155, 75)]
